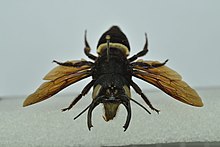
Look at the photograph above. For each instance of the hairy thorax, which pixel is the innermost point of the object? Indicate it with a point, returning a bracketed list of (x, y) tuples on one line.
[(115, 64)]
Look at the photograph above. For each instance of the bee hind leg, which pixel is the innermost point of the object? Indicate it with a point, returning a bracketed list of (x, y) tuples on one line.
[(83, 93), (141, 53), (139, 91), (87, 49)]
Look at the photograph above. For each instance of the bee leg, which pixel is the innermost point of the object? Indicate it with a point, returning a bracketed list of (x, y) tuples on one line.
[(159, 64), (146, 65), (128, 108), (140, 105), (77, 64), (139, 91), (88, 54), (87, 49), (83, 93), (82, 63), (141, 64), (63, 63), (141, 53)]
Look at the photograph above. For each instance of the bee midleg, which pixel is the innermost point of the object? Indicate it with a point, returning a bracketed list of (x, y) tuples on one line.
[(77, 64), (83, 93), (141, 53), (139, 91)]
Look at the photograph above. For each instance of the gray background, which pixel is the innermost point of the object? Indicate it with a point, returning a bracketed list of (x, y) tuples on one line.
[(33, 33)]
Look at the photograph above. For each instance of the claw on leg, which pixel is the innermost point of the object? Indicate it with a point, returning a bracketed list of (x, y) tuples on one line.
[(64, 109), (63, 63)]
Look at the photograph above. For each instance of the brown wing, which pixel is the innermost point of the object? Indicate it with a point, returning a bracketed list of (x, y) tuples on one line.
[(168, 81), (60, 77)]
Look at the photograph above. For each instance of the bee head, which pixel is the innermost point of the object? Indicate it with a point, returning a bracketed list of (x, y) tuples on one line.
[(118, 40), (111, 97), (111, 102)]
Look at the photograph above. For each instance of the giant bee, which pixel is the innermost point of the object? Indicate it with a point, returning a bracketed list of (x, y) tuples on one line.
[(112, 71)]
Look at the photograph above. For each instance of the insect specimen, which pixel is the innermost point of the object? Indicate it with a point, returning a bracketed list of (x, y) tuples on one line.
[(112, 71)]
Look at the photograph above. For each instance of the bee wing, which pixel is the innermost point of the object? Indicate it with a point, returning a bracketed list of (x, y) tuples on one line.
[(59, 78), (168, 81)]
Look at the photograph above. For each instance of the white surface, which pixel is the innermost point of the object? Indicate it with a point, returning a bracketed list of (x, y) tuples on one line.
[(44, 124), (35, 32)]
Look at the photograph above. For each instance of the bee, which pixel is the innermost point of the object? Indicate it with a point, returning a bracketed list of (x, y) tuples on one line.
[(112, 71)]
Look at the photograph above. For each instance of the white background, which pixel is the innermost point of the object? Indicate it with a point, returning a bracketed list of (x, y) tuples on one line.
[(33, 33)]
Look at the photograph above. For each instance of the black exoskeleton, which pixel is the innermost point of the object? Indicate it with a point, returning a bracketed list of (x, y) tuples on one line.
[(112, 76), (112, 73)]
